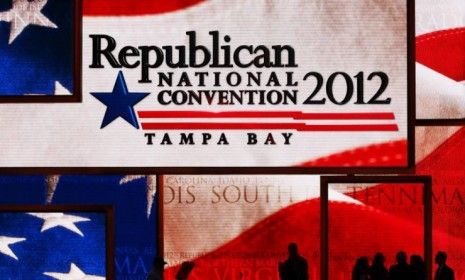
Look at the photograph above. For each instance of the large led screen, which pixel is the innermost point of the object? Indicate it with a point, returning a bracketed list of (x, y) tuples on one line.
[(378, 231), (315, 84), (240, 227)]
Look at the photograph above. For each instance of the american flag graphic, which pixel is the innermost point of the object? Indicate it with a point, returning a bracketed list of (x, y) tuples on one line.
[(321, 43), (440, 59), (52, 245), (134, 202), (36, 47)]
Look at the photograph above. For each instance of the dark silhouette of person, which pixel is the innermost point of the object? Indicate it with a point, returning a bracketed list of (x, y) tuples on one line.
[(443, 272), (401, 270), (295, 267), (378, 270), (184, 271), (157, 269), (360, 270), (418, 268)]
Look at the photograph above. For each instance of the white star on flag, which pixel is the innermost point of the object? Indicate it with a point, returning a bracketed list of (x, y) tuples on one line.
[(151, 188), (4, 245), (52, 220), (74, 274), (61, 90), (23, 14), (52, 183)]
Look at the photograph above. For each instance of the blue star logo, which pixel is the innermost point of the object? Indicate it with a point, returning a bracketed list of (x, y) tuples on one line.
[(120, 102)]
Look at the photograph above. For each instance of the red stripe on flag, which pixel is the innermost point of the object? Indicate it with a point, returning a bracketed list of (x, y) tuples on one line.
[(444, 52), (267, 114), (384, 154), (268, 126), (300, 223), (134, 7)]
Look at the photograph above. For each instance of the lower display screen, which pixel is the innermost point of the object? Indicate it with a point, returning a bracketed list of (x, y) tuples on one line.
[(381, 230), (240, 227)]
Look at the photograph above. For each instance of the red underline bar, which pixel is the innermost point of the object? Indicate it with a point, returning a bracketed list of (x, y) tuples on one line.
[(268, 114), (269, 126)]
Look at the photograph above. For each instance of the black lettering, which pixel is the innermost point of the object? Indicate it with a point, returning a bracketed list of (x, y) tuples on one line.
[(146, 65), (128, 52), (194, 49), (166, 140), (270, 140), (252, 139), (107, 52), (287, 138), (149, 137), (223, 140), (187, 139), (206, 137)]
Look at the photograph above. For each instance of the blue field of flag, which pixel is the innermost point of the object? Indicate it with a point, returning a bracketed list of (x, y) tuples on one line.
[(36, 47), (135, 226), (42, 245)]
